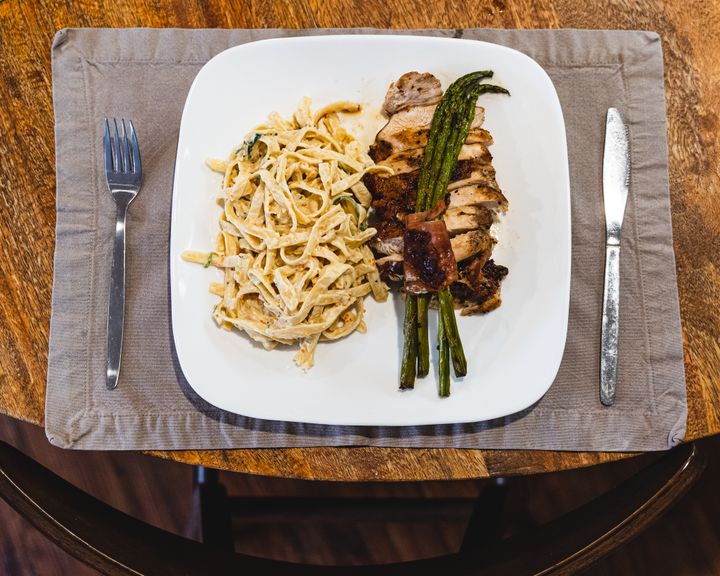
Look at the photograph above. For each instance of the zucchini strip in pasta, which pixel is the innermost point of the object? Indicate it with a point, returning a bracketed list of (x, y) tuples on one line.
[(293, 232)]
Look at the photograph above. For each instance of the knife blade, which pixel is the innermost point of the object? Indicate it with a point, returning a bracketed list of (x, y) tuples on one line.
[(616, 183)]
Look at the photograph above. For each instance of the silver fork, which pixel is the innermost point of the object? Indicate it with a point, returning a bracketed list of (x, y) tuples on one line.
[(124, 178)]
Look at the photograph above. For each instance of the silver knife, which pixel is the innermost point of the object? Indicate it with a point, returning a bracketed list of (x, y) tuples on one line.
[(616, 181)]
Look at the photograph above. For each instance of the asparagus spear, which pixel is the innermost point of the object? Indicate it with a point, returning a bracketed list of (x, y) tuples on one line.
[(440, 131), (416, 314), (464, 117), (407, 368), (449, 129), (433, 158), (465, 113), (423, 344), (443, 359), (447, 313)]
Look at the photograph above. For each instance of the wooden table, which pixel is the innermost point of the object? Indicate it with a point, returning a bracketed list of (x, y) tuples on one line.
[(691, 45)]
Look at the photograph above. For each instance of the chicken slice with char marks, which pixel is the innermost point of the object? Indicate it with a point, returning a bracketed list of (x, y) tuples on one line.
[(478, 287), (411, 160), (472, 243), (478, 195), (468, 218), (409, 128), (473, 171), (412, 89)]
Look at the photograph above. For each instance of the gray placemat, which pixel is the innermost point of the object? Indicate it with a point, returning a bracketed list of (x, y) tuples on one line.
[(145, 74)]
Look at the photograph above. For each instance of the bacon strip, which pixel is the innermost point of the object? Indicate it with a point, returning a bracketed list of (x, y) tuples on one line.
[(428, 260)]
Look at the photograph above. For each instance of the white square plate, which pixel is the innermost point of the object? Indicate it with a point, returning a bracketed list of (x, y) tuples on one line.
[(513, 353)]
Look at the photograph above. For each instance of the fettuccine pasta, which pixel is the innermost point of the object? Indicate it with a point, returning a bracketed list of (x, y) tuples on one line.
[(293, 233)]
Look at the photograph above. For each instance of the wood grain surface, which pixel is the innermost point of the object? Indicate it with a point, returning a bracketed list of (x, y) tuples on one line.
[(682, 543), (691, 43)]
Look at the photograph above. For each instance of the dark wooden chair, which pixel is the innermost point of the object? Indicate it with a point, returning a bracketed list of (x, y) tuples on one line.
[(115, 543)]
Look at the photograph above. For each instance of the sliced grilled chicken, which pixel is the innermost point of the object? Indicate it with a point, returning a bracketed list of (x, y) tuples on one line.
[(411, 159), (393, 197), (473, 201), (391, 269), (478, 287), (390, 247), (409, 129), (412, 139), (464, 246), (470, 207), (415, 118), (478, 195), (472, 243), (467, 218), (412, 89), (479, 135), (474, 171)]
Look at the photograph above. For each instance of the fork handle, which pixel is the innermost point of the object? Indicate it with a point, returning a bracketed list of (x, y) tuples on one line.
[(116, 304)]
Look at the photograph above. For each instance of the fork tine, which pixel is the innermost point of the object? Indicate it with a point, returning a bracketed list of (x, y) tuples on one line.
[(127, 164), (137, 166), (107, 147), (117, 151)]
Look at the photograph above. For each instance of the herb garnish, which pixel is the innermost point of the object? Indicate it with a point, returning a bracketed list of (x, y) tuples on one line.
[(361, 225), (252, 142)]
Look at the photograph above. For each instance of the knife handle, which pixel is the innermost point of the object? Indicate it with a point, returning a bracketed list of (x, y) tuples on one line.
[(610, 320)]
